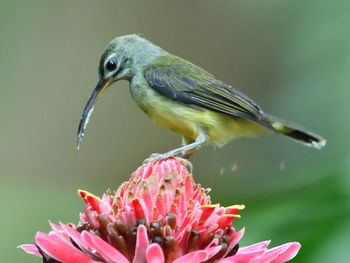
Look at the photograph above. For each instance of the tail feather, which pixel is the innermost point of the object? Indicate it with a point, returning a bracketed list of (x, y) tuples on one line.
[(296, 132)]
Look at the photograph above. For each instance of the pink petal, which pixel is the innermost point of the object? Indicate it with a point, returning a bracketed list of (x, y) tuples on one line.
[(30, 249), (91, 216), (235, 239), (58, 229), (106, 199), (276, 254), (146, 196), (73, 234), (192, 257), (212, 243), (290, 252), (254, 247), (154, 254), (55, 227), (145, 171), (212, 251), (206, 212), (198, 255), (243, 258), (102, 248), (141, 244), (56, 248), (160, 204)]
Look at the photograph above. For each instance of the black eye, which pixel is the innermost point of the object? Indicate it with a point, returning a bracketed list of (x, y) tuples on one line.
[(111, 65)]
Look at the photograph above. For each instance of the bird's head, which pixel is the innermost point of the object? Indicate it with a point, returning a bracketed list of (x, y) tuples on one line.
[(123, 57)]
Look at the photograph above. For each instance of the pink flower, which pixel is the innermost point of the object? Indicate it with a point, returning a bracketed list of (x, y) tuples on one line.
[(159, 215)]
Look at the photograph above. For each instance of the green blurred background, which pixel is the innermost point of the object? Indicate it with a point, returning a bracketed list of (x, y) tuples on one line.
[(292, 57)]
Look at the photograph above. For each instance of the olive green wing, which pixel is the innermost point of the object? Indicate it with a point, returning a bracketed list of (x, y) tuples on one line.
[(183, 82)]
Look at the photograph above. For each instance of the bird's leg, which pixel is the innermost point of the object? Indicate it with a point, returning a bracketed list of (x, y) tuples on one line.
[(199, 142), (184, 150), (187, 154)]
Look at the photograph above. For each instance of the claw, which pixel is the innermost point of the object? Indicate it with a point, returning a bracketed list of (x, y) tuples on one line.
[(154, 157)]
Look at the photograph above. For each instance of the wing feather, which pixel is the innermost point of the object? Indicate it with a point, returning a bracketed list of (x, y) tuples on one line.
[(182, 81)]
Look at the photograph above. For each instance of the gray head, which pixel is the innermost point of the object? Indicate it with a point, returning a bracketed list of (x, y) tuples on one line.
[(123, 57)]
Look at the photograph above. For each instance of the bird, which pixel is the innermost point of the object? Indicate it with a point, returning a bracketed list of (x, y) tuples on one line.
[(185, 99)]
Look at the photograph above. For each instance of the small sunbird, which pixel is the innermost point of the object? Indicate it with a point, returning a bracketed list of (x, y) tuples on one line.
[(185, 98)]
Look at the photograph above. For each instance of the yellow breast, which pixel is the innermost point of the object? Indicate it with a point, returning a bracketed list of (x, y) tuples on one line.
[(187, 121)]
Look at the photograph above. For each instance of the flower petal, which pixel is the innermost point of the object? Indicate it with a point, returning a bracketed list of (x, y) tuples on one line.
[(74, 235), (195, 256), (56, 248), (141, 244), (102, 248), (287, 252), (30, 249), (279, 254), (198, 255), (96, 203), (243, 258), (139, 210), (255, 247), (234, 240), (154, 254)]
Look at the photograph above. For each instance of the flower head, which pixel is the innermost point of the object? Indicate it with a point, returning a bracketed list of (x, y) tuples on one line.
[(159, 215)]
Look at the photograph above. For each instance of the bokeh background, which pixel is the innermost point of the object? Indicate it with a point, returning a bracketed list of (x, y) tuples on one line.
[(292, 57)]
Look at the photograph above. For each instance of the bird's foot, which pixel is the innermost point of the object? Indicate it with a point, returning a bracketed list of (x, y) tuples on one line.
[(154, 157)]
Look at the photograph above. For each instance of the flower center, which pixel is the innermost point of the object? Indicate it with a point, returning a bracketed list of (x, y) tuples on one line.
[(163, 232)]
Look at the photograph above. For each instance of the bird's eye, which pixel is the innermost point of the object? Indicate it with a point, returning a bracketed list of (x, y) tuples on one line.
[(111, 65)]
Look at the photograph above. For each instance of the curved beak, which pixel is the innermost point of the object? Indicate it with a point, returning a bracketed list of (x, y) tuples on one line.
[(89, 107)]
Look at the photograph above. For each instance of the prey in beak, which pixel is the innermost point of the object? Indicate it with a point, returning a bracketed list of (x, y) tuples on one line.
[(89, 107)]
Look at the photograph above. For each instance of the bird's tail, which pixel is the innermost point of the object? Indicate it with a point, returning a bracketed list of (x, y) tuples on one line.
[(296, 132)]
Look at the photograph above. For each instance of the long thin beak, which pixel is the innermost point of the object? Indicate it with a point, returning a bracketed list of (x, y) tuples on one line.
[(89, 107)]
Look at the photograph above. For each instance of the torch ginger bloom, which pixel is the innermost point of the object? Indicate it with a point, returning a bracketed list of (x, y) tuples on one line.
[(159, 215)]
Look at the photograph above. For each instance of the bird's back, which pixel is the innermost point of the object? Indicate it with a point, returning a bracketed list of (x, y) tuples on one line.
[(185, 98)]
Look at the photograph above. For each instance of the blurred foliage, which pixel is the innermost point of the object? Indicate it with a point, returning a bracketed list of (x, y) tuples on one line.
[(292, 57)]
